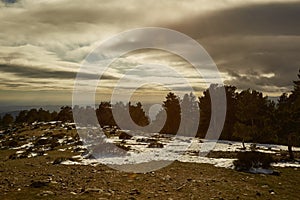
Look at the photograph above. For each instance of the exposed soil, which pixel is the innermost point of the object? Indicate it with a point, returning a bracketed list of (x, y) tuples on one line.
[(41, 178)]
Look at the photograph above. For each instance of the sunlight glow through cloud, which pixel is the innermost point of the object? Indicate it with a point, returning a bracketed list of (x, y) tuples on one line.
[(42, 43)]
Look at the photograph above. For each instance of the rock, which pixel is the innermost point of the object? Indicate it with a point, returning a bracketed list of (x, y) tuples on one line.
[(39, 184), (42, 141), (70, 140), (276, 173), (10, 143), (47, 141), (46, 193), (125, 136), (40, 152), (59, 160), (13, 156), (74, 193), (253, 147), (90, 156), (48, 133), (134, 192), (271, 191), (155, 145), (79, 143), (131, 198), (126, 148), (58, 135), (146, 140), (167, 178), (107, 194), (93, 190)]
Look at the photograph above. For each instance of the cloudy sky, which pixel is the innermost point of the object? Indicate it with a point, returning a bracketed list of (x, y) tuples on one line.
[(255, 44)]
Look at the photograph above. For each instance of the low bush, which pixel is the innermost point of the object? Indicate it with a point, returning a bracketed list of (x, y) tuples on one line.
[(252, 159)]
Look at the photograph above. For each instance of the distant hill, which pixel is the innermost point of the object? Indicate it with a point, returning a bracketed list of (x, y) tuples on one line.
[(14, 110)]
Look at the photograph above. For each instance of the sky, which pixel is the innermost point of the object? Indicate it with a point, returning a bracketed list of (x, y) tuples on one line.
[(255, 44)]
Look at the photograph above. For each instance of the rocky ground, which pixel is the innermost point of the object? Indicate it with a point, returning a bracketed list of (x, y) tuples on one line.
[(34, 171)]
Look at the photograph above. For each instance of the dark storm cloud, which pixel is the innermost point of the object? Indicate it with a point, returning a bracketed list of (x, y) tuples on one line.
[(64, 16), (46, 40), (9, 1), (268, 19), (35, 72), (250, 42)]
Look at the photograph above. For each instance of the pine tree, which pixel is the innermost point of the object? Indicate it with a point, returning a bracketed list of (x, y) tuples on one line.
[(189, 115), (138, 115), (104, 115), (231, 99), (252, 116), (22, 116), (7, 120), (43, 115), (205, 113), (32, 115), (121, 115), (65, 114), (172, 108), (289, 115), (210, 125), (53, 116)]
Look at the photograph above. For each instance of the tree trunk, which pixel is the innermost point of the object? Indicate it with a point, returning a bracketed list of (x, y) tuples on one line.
[(290, 147), (243, 143), (291, 152)]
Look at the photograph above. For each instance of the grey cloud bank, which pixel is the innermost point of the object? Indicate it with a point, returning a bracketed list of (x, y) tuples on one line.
[(255, 44), (250, 42)]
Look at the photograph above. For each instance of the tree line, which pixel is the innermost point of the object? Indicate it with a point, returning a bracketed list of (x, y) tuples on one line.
[(37, 115), (250, 116)]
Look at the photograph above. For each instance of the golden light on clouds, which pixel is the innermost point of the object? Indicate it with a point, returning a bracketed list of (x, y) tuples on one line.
[(255, 44)]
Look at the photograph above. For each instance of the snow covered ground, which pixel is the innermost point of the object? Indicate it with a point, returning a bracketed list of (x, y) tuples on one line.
[(183, 149), (138, 149)]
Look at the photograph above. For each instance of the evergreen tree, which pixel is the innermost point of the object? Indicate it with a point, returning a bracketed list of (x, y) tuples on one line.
[(7, 120), (53, 116), (253, 112), (283, 118), (158, 124), (32, 116), (205, 113), (172, 108), (130, 117), (121, 115), (43, 115), (104, 115), (138, 115), (189, 115), (86, 116), (288, 114), (206, 120), (65, 114), (230, 120), (22, 116)]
